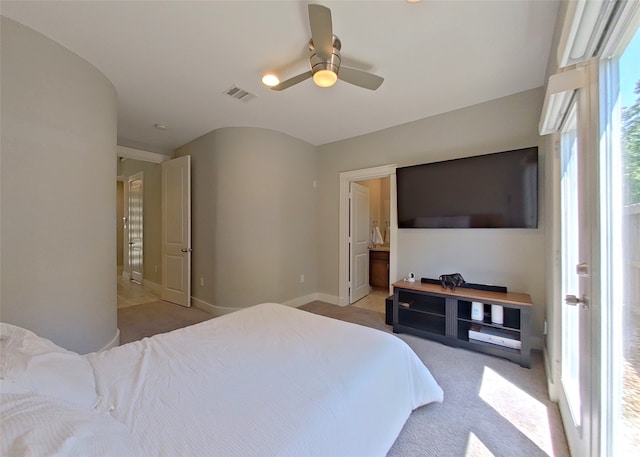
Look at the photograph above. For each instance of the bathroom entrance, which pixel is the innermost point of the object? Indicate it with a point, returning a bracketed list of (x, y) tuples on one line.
[(379, 242), (380, 239)]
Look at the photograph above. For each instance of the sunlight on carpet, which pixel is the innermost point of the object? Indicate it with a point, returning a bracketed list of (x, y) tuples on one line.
[(475, 447), (520, 409)]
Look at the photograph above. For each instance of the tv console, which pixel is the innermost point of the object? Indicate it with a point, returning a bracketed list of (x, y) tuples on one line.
[(430, 311)]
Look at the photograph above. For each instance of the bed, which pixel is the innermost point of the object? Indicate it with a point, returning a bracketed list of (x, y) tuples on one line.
[(267, 380)]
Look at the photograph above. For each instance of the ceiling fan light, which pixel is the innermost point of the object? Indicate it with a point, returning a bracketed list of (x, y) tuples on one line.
[(270, 80), (325, 78)]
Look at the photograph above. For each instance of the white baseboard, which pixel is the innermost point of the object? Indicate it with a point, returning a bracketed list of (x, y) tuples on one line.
[(294, 303), (154, 286), (115, 341), (297, 302), (333, 299), (551, 384), (211, 309)]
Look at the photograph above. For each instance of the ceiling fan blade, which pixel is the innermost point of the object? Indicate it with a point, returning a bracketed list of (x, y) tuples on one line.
[(292, 81), (359, 78), (321, 30)]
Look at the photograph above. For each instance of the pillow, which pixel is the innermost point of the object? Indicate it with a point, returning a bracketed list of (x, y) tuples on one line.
[(31, 364), (35, 425)]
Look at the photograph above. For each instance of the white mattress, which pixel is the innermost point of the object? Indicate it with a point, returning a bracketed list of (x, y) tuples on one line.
[(269, 380)]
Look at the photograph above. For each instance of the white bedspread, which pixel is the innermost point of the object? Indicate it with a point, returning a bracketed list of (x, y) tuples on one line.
[(269, 380)]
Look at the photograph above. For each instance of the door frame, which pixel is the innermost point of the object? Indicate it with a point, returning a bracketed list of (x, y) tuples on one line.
[(346, 178)]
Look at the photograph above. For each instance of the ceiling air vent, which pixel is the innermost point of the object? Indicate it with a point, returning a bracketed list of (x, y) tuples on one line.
[(239, 94)]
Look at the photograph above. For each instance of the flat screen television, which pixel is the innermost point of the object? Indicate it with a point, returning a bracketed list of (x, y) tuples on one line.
[(498, 190)]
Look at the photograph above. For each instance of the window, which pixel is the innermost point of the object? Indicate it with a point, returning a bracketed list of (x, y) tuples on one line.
[(620, 177)]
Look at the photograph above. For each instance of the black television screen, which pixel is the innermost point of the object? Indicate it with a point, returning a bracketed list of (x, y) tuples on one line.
[(497, 190)]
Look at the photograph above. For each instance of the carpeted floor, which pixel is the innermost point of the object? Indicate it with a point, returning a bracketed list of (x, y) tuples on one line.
[(348, 313), (139, 321), (492, 407)]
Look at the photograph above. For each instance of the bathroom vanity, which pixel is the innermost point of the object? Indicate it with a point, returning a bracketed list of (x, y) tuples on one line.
[(379, 266)]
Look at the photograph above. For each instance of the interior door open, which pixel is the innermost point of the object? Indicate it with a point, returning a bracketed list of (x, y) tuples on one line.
[(135, 211), (176, 231), (359, 243)]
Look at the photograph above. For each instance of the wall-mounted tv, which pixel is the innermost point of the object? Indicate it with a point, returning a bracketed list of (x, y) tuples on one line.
[(498, 190)]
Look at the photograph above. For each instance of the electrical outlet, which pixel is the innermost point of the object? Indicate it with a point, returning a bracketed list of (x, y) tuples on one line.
[(301, 278), (156, 268), (201, 282)]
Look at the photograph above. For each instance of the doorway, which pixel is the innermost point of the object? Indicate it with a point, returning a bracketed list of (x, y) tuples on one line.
[(345, 271), (378, 240), (135, 226), (575, 261), (139, 266)]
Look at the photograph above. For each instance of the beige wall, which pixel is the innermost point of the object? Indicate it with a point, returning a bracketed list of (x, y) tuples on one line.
[(254, 217), (152, 216), (58, 274), (515, 257)]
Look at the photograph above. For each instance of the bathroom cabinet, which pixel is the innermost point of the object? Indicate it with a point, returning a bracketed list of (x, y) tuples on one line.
[(379, 268)]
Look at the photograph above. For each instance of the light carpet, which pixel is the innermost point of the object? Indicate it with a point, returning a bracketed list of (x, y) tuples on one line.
[(139, 321)]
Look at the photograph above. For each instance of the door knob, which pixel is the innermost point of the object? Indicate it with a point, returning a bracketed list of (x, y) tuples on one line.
[(573, 301), (186, 250)]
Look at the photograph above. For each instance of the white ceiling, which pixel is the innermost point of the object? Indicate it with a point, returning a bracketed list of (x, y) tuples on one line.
[(171, 62)]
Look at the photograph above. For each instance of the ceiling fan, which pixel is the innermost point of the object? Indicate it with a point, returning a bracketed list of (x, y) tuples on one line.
[(325, 57)]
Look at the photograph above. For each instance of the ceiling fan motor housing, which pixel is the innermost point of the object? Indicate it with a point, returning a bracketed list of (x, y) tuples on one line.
[(331, 63), (319, 63)]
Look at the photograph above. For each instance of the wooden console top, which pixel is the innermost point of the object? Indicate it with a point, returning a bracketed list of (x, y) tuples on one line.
[(509, 298)]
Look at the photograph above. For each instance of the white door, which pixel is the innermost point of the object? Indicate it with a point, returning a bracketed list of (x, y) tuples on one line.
[(176, 231), (135, 199), (575, 372), (359, 243)]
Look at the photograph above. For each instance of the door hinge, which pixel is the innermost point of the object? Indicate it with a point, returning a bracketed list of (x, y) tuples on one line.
[(582, 270)]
